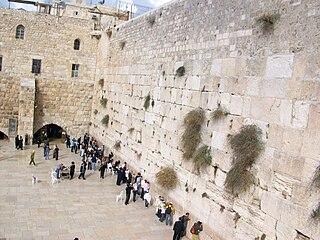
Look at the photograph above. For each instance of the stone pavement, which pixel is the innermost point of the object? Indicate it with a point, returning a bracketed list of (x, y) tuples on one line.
[(72, 208)]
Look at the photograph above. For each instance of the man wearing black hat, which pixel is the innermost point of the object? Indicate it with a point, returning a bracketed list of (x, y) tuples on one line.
[(178, 229)]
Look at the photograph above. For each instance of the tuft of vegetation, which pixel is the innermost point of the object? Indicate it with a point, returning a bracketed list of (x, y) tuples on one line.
[(236, 218), (130, 130), (316, 178), (201, 158), (109, 33), (246, 145), (267, 21), (95, 112), (315, 215), (101, 82), (122, 44), (117, 145), (105, 120), (147, 100), (204, 195), (151, 20), (219, 113), (191, 137), (167, 178), (180, 71), (103, 102)]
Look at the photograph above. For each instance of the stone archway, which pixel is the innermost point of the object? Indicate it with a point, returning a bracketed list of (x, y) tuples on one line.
[(52, 131), (3, 136)]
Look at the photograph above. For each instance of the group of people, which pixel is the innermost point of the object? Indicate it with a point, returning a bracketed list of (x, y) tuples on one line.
[(90, 154)]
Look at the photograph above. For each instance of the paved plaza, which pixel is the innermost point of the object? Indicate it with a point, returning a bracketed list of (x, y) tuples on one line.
[(72, 208)]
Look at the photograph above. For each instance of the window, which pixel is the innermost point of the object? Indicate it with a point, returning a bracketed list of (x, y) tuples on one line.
[(20, 32), (36, 66), (75, 70), (0, 63), (76, 44)]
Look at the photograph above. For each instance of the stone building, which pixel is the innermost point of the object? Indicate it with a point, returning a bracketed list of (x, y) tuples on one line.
[(257, 59)]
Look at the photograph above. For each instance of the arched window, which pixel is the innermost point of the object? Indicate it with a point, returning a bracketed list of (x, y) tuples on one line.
[(20, 32), (76, 44)]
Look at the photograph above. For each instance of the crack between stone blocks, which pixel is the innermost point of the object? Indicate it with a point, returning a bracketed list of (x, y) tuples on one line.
[(275, 230)]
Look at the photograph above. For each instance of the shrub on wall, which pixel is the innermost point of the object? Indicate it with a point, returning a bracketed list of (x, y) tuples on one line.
[(316, 178), (147, 100), (247, 145), (316, 213), (95, 112), (103, 102), (105, 120), (117, 145), (151, 20), (191, 136), (201, 158), (122, 44), (180, 71), (130, 130), (218, 113), (101, 82), (167, 178), (267, 21)]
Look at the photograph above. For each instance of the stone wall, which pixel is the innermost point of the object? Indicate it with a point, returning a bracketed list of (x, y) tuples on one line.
[(268, 78), (59, 98)]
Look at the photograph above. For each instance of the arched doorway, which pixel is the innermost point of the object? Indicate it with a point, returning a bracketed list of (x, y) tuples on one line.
[(51, 131), (3, 136)]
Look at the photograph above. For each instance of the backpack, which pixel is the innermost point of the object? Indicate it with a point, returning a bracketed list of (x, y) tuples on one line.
[(192, 230)]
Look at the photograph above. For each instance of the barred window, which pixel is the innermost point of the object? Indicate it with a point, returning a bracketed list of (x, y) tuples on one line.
[(20, 32), (75, 70), (76, 44), (36, 66)]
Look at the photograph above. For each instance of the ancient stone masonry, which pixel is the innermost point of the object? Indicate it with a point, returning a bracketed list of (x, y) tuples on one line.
[(242, 62), (55, 96), (266, 75)]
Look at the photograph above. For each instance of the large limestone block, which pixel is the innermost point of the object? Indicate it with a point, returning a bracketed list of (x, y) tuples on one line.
[(216, 67), (228, 67), (314, 116), (284, 231), (279, 66), (193, 83), (275, 136), (269, 227), (310, 140), (273, 87), (288, 165), (300, 114), (286, 112), (292, 141), (236, 105), (219, 140), (271, 204)]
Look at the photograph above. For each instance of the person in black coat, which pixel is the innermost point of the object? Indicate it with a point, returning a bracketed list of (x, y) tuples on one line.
[(83, 168), (178, 229), (72, 169), (17, 142), (128, 193), (102, 169), (21, 143), (120, 176)]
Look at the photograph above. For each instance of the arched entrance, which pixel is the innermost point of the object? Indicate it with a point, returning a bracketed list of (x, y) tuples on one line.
[(3, 136), (51, 131)]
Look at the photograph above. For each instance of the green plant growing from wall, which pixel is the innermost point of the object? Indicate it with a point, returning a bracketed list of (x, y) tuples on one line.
[(201, 158), (268, 21), (151, 20), (181, 71), (167, 178), (191, 136), (247, 146), (315, 215), (130, 130), (109, 33), (105, 120), (101, 82), (95, 112), (103, 102), (122, 44), (117, 145), (316, 178), (147, 100), (218, 113)]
